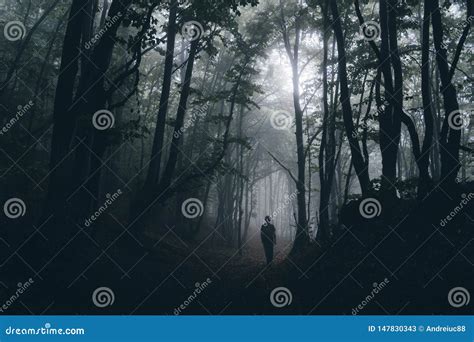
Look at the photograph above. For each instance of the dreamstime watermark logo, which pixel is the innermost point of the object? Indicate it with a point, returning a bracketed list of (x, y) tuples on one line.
[(370, 30), (280, 297), (22, 287), (21, 110), (275, 35), (288, 199), (46, 330), (370, 208), (382, 107), (99, 8), (458, 119), (199, 288), (107, 25), (458, 297), (444, 46), (465, 200), (363, 125), (14, 208), (192, 120), (377, 287), (103, 119), (192, 30), (281, 120), (103, 296), (14, 30), (192, 208), (110, 199), (380, 110), (461, 26)]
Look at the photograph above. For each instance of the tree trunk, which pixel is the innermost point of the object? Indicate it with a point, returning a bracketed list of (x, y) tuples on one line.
[(63, 122), (156, 153), (450, 138), (174, 150), (389, 117), (327, 149), (360, 164), (301, 237), (425, 183)]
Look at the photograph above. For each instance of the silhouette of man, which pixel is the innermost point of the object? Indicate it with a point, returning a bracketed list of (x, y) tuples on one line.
[(267, 233)]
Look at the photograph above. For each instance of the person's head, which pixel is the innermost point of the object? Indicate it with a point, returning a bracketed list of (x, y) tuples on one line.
[(268, 219)]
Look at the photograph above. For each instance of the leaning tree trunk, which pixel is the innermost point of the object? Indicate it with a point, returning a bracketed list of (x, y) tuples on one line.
[(63, 122), (157, 147), (450, 137), (174, 149), (360, 164)]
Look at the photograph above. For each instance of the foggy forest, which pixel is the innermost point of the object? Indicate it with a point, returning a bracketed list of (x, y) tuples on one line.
[(147, 147)]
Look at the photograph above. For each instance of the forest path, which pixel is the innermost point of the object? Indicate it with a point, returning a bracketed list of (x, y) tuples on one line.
[(245, 281), (239, 282)]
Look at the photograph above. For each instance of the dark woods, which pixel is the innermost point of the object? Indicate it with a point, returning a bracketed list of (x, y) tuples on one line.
[(143, 143)]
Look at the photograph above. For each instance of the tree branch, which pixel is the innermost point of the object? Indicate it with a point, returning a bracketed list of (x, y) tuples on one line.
[(461, 42), (283, 166)]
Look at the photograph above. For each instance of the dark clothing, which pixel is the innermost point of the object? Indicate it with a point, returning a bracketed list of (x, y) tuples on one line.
[(267, 233)]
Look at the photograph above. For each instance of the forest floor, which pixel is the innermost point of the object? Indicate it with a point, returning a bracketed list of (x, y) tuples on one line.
[(411, 261)]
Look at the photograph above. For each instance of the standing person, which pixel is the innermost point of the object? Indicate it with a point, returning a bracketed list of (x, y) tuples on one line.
[(267, 233)]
